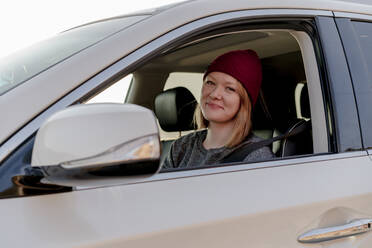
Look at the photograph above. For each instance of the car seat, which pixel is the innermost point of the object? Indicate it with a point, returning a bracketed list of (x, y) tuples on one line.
[(300, 143), (174, 109)]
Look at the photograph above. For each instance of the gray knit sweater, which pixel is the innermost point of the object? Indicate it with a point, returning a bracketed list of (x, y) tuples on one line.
[(188, 151)]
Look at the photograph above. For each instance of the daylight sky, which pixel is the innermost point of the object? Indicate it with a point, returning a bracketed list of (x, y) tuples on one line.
[(24, 22)]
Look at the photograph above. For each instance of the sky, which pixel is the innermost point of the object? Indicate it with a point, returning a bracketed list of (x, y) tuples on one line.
[(24, 22)]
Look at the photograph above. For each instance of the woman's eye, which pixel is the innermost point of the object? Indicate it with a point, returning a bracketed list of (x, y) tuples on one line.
[(230, 89), (209, 83)]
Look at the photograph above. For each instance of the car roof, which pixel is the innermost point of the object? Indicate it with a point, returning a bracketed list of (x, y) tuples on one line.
[(202, 7), (169, 17), (355, 6)]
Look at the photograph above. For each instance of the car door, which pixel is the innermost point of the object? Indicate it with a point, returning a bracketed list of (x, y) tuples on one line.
[(262, 204)]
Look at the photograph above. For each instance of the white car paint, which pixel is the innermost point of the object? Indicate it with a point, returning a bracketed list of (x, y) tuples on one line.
[(70, 137), (265, 207)]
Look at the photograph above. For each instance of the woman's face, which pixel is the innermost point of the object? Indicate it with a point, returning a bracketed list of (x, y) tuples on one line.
[(220, 100)]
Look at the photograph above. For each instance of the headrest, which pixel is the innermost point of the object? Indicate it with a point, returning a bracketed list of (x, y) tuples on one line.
[(261, 116), (304, 101), (273, 105), (175, 109)]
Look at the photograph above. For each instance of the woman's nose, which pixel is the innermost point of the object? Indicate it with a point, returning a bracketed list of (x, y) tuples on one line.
[(217, 92)]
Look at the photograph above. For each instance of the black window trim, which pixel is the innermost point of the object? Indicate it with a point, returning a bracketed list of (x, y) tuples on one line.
[(346, 121)]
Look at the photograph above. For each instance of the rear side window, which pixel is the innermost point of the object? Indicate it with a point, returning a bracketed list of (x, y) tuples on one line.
[(364, 34), (359, 52)]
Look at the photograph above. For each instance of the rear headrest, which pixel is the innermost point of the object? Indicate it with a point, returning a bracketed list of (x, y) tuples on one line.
[(175, 109), (273, 107), (261, 116), (304, 101)]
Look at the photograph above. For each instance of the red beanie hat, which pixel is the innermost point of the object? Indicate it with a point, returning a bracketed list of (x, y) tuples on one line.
[(243, 65)]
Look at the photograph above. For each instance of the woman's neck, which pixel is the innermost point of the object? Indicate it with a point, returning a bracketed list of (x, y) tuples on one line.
[(218, 134)]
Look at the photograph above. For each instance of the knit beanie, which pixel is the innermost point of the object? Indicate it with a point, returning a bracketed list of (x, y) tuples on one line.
[(243, 65)]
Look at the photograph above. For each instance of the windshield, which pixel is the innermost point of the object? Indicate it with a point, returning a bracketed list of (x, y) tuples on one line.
[(25, 64)]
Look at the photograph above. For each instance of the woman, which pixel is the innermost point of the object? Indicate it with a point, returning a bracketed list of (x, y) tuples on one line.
[(230, 89)]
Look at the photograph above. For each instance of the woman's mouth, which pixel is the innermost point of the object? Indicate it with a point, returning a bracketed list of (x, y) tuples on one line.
[(214, 106)]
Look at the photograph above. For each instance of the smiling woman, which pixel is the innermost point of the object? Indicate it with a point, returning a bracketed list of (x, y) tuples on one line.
[(230, 89), (220, 100)]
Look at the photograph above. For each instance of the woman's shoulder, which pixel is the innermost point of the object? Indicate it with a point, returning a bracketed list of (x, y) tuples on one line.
[(261, 153), (188, 142), (191, 137), (183, 147), (253, 138)]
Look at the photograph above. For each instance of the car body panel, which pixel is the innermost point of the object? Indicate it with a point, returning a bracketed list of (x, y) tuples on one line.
[(244, 207)]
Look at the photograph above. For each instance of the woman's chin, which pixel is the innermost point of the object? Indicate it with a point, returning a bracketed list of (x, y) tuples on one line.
[(218, 119)]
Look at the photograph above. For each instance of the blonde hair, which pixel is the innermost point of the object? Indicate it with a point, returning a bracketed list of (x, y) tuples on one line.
[(243, 123)]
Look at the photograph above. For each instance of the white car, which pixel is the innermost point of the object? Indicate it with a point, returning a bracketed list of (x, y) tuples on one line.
[(76, 172)]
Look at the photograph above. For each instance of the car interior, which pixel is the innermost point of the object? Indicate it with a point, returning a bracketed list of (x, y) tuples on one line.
[(170, 84)]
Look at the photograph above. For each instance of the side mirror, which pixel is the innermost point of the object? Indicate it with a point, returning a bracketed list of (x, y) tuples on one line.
[(97, 140)]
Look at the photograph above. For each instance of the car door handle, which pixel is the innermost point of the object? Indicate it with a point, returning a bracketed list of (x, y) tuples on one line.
[(328, 233)]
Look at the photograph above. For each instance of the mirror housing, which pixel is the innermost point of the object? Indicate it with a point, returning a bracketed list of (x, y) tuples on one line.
[(95, 137)]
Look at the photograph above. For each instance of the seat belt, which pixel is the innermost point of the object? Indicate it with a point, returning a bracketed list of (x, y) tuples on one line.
[(245, 148)]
